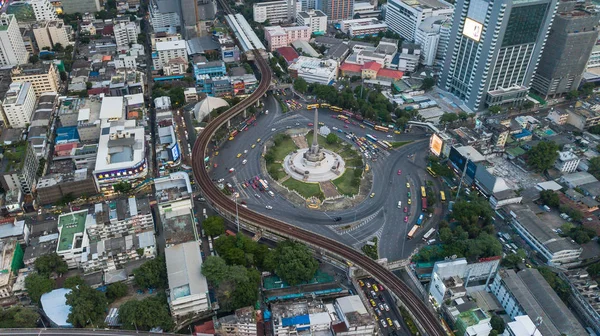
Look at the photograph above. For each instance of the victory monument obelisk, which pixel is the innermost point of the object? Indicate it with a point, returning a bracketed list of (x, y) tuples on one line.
[(315, 154)]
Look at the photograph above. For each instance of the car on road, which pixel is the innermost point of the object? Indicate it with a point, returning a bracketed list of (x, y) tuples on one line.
[(273, 129), (215, 165), (387, 308), (408, 185), (244, 185), (345, 126), (244, 162), (361, 283), (220, 180), (378, 312), (381, 306), (405, 209), (390, 136), (254, 186), (253, 145), (372, 302), (311, 124), (257, 195), (334, 128), (231, 170), (372, 195), (297, 124), (399, 204), (375, 289), (368, 284), (396, 132), (268, 207), (399, 172), (383, 324), (373, 294), (389, 321), (362, 126), (258, 140), (216, 153), (405, 219), (409, 201), (245, 151), (288, 127), (239, 155)]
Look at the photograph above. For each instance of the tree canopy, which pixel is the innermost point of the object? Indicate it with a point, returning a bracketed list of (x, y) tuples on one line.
[(146, 314), (594, 269), (37, 285), (241, 250), (73, 282), (88, 306), (292, 262), (512, 260), (497, 324), (51, 263), (116, 290), (428, 83), (542, 156), (18, 317), (214, 226), (550, 198), (331, 138), (152, 274), (300, 85), (594, 167)]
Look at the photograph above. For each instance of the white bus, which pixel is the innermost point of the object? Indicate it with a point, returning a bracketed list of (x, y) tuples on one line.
[(428, 234)]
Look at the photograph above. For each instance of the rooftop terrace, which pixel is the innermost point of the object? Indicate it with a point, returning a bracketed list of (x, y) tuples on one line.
[(69, 225)]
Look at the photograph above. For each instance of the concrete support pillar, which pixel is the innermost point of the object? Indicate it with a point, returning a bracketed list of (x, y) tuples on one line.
[(229, 123), (245, 113)]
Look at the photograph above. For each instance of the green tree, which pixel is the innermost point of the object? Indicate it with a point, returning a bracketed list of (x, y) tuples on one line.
[(494, 109), (594, 129), (88, 306), (122, 187), (300, 85), (58, 47), (116, 290), (594, 167), (497, 324), (594, 269), (428, 83), (73, 282), (88, 85), (152, 274), (528, 104), (18, 317), (215, 269), (48, 264), (146, 314), (550, 198), (542, 156), (511, 260), (33, 59), (295, 264), (214, 226), (63, 76), (573, 95), (448, 118), (331, 138), (37, 285)]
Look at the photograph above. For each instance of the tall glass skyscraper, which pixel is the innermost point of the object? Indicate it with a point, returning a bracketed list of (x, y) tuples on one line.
[(494, 50)]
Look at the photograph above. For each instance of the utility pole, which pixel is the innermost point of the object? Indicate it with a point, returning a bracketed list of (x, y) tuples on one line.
[(464, 172), (538, 322)]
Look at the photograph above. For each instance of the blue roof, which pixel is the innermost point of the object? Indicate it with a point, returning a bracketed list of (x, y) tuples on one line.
[(296, 320), (55, 307), (524, 133), (64, 134)]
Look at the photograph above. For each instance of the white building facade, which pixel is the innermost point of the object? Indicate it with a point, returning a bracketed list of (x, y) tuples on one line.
[(274, 11), (404, 16), (566, 162), (315, 19), (18, 104), (126, 33), (12, 47), (314, 70), (166, 51), (43, 10)]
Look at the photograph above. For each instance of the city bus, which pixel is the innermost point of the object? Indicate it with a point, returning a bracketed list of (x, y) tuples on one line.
[(335, 108), (423, 193), (424, 203), (383, 144), (389, 145), (370, 137), (428, 234), (431, 172), (368, 123), (263, 184), (412, 232), (342, 117), (442, 196), (324, 105), (381, 128), (312, 106)]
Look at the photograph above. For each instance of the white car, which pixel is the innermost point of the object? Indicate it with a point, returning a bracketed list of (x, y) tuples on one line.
[(245, 151), (220, 180), (231, 170), (269, 207), (390, 136), (244, 162), (273, 129), (257, 195)]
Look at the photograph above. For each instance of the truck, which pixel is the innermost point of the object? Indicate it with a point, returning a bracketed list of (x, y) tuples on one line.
[(546, 208), (420, 219)]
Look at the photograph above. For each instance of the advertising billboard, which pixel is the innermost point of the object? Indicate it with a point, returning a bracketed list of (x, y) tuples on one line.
[(175, 153), (228, 54), (472, 29), (435, 144)]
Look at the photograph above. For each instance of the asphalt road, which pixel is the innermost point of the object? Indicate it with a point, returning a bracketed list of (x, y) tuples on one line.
[(76, 332), (382, 299), (379, 216)]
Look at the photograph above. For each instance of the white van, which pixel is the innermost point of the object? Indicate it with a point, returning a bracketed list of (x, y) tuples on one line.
[(399, 204), (271, 194)]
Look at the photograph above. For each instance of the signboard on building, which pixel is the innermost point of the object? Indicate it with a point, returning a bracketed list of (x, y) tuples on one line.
[(175, 152), (435, 144), (472, 29)]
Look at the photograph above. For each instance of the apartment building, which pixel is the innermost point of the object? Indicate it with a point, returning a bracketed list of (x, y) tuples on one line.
[(123, 216), (49, 33), (12, 47), (566, 162), (316, 20), (584, 297), (18, 104), (166, 51), (405, 16), (43, 10), (278, 36), (18, 167), (42, 76), (73, 241), (274, 11), (126, 33)]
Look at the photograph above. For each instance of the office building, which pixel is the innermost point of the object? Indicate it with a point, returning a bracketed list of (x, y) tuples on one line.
[(43, 10), (18, 104), (126, 33), (528, 293), (18, 172), (337, 10), (278, 37), (52, 188), (584, 297), (188, 289), (166, 51), (363, 27), (568, 48), (12, 47), (566, 162), (43, 77), (306, 5), (432, 35), (80, 6), (551, 247), (314, 70), (405, 16), (316, 20), (492, 62), (164, 15), (274, 11)]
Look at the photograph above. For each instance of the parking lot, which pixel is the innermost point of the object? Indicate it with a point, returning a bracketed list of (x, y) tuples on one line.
[(386, 313)]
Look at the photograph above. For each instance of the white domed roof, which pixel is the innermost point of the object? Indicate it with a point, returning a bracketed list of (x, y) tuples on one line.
[(207, 105)]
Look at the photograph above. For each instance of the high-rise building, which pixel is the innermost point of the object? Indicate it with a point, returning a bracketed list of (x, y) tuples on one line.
[(274, 11), (18, 104), (432, 35), (126, 33), (337, 10), (164, 15), (43, 10), (405, 16), (49, 33), (315, 19), (43, 77), (12, 47), (568, 48), (494, 49)]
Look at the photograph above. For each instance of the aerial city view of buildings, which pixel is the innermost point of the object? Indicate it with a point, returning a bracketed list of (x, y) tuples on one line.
[(162, 161)]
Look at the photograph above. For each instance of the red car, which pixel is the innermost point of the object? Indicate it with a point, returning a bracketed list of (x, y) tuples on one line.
[(380, 287), (405, 219), (254, 186), (347, 121), (345, 126), (311, 124), (399, 171), (405, 209)]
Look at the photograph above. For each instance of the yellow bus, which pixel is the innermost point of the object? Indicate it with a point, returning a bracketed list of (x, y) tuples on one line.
[(381, 128), (442, 196), (423, 193), (324, 105), (412, 232), (335, 108), (342, 117), (312, 106), (431, 172)]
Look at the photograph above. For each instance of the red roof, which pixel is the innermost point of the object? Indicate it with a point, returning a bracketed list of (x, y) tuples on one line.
[(108, 30), (389, 73), (351, 67), (372, 66), (207, 327), (288, 53), (97, 91)]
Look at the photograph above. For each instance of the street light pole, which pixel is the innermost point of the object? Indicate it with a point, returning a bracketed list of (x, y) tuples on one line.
[(237, 214), (462, 177)]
